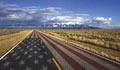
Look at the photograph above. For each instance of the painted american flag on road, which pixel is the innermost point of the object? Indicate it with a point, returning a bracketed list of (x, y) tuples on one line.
[(30, 54), (39, 51)]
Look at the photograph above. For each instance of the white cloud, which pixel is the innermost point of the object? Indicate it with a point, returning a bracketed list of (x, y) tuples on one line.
[(80, 15), (12, 5), (68, 20), (32, 13), (19, 17), (48, 15), (71, 18), (102, 20), (68, 23)]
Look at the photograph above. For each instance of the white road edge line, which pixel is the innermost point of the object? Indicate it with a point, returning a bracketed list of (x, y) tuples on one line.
[(12, 48)]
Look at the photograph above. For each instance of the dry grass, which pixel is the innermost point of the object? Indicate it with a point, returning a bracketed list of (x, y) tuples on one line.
[(105, 42), (9, 31), (10, 39)]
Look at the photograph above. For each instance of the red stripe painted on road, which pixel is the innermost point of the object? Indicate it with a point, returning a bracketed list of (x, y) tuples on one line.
[(34, 34), (107, 61), (99, 57), (95, 64), (38, 34), (30, 35), (72, 62)]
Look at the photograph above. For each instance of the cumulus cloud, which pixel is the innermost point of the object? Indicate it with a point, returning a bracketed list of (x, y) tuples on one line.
[(79, 15), (72, 19), (22, 17), (5, 12), (50, 11), (42, 14), (39, 15), (99, 22), (27, 13), (55, 15), (102, 20)]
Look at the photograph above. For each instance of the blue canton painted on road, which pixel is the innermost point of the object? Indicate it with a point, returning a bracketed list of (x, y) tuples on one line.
[(30, 54)]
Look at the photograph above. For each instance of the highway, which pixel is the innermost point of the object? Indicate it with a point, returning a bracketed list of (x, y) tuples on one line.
[(39, 51)]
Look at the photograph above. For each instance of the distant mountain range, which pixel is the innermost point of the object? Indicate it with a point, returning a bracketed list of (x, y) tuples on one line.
[(52, 26)]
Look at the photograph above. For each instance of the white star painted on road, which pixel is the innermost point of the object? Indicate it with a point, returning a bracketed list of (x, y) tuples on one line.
[(39, 49), (28, 68), (29, 56), (35, 42), (7, 63), (5, 58), (38, 44), (35, 46), (18, 57), (31, 49), (35, 61), (32, 44), (44, 68), (43, 46), (22, 42), (35, 52), (27, 47), (14, 54), (41, 56), (22, 50), (21, 62), (45, 53), (19, 47), (25, 44), (25, 53), (12, 51)]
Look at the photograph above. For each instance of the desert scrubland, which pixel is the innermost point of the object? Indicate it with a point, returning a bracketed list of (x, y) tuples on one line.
[(105, 42)]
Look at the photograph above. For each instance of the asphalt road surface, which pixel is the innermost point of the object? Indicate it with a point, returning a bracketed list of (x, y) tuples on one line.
[(42, 52)]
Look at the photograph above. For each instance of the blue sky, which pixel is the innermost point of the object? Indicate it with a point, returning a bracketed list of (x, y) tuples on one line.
[(97, 10)]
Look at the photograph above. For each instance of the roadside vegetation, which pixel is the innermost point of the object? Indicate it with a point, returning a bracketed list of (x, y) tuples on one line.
[(10, 37), (9, 31), (105, 42)]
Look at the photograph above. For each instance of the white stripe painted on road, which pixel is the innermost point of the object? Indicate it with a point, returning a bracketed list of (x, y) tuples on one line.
[(65, 65), (112, 67), (83, 63), (88, 51)]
